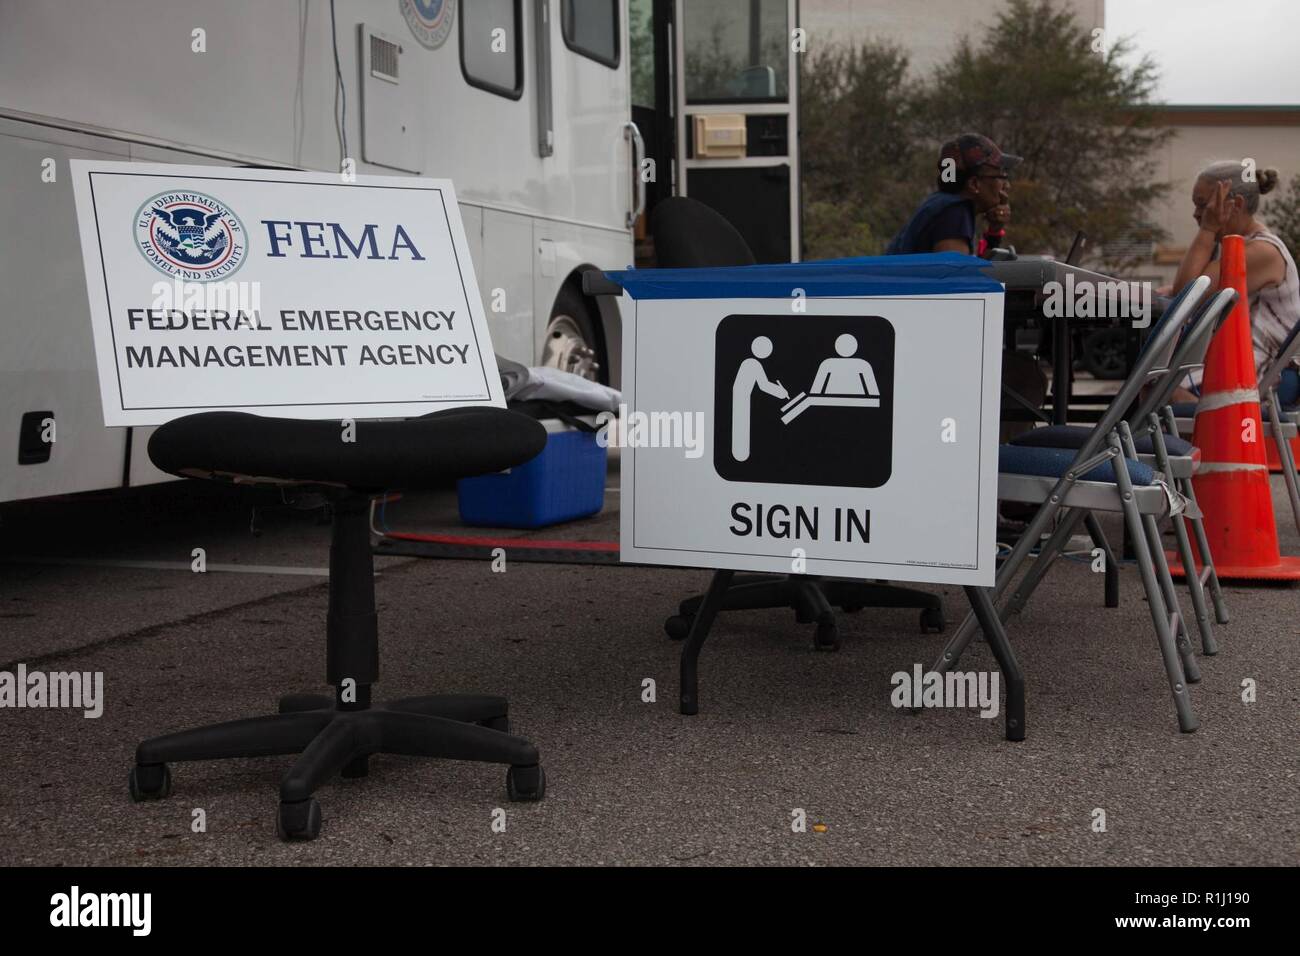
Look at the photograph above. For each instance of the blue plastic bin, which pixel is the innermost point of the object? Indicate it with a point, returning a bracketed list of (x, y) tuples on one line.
[(566, 481)]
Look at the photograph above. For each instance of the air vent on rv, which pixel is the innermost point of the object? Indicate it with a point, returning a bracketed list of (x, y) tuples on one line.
[(383, 58)]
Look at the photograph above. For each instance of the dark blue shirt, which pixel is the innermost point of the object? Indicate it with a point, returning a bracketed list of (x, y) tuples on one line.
[(941, 216)]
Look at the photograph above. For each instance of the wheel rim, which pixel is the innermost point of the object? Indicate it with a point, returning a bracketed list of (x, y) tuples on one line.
[(567, 349)]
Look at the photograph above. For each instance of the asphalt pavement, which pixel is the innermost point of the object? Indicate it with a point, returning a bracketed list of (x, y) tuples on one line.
[(784, 734)]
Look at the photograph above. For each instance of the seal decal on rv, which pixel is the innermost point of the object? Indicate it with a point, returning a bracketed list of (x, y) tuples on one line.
[(429, 20), (190, 235)]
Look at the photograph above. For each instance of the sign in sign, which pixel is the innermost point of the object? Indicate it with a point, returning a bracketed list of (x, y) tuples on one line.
[(850, 437), (287, 293)]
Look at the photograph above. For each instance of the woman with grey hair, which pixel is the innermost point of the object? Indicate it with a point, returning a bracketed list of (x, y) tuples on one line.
[(1225, 200)]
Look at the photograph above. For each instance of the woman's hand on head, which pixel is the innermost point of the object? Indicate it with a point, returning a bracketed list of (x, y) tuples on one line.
[(1218, 211)]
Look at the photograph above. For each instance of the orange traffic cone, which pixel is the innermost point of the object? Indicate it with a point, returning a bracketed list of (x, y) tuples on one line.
[(1232, 481)]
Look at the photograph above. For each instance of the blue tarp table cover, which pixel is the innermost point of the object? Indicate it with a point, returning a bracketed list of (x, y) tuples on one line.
[(928, 274)]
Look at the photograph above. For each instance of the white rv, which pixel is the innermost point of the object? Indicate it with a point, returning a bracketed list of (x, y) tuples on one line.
[(528, 106)]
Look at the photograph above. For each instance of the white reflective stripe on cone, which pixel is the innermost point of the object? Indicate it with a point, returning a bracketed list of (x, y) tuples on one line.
[(1241, 396)]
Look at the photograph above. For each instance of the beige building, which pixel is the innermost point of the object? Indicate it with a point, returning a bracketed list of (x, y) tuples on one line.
[(1270, 135), (927, 29)]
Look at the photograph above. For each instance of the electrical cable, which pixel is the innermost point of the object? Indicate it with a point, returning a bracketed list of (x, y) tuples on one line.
[(340, 92)]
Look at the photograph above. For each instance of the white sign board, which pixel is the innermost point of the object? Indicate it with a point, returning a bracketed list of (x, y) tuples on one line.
[(856, 438), (293, 294)]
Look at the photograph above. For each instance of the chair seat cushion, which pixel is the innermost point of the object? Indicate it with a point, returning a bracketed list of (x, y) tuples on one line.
[(1055, 462), (412, 453), (1073, 436), (1184, 409)]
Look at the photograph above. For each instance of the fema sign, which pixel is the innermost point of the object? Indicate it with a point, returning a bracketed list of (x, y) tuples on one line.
[(430, 20), (292, 294)]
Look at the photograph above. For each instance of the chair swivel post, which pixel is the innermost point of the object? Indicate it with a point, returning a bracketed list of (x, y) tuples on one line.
[(352, 627)]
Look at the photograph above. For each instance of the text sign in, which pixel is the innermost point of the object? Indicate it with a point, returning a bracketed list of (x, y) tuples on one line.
[(287, 293), (854, 437)]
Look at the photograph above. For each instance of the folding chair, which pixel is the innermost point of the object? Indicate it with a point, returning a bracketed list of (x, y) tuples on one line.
[(1283, 423), (1173, 457), (1107, 479)]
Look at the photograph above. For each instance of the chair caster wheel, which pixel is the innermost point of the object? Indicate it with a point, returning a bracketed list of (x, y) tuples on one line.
[(932, 621), (150, 782), (526, 783), (827, 637), (678, 626), (298, 820), (501, 723)]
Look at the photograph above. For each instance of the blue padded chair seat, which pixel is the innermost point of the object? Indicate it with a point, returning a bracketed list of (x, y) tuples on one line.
[(1073, 436), (1055, 462)]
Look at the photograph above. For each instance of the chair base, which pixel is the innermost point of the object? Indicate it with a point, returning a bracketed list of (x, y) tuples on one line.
[(337, 737), (813, 600)]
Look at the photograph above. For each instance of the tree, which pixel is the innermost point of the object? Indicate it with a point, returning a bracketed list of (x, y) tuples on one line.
[(1033, 83), (1282, 213), (862, 171)]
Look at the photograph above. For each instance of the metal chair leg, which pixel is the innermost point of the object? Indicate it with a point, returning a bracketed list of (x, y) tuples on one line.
[(1051, 549), (1285, 457), (1182, 640), (1209, 576), (1187, 721), (1209, 645)]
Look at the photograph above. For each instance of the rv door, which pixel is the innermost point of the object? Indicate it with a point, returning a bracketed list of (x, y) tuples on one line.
[(736, 98)]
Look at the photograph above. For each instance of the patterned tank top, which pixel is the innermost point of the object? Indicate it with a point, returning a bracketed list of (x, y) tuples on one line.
[(1275, 309)]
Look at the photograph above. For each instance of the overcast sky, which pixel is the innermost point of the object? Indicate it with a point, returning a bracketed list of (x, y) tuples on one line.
[(1216, 51)]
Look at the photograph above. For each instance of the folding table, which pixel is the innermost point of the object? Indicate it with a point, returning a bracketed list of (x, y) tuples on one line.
[(902, 487)]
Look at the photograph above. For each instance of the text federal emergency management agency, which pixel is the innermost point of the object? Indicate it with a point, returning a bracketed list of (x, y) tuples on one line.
[(267, 355)]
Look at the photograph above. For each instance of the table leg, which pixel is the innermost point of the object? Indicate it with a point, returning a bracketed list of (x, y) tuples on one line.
[(1062, 370), (708, 609)]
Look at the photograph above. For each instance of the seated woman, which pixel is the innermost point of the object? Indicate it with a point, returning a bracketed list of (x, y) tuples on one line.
[(1224, 202)]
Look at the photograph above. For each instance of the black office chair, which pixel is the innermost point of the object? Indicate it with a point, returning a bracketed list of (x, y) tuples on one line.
[(338, 733), (688, 234)]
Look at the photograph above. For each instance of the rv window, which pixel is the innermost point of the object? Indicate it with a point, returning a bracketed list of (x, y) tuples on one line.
[(591, 28), (491, 55), (736, 52)]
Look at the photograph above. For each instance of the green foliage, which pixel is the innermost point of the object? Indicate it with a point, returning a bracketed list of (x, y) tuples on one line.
[(1035, 85), (863, 170), (1282, 213)]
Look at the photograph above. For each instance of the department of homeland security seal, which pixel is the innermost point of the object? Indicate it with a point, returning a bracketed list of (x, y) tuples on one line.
[(190, 236), (429, 20)]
